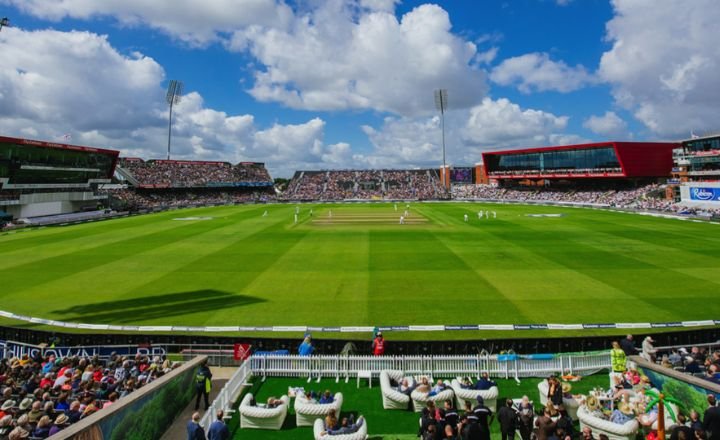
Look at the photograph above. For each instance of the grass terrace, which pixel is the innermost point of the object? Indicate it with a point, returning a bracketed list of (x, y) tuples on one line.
[(382, 424)]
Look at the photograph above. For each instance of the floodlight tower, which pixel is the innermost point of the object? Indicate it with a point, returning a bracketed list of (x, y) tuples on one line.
[(441, 103), (4, 22), (173, 96)]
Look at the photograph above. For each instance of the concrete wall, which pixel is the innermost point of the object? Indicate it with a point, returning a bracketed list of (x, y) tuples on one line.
[(142, 415)]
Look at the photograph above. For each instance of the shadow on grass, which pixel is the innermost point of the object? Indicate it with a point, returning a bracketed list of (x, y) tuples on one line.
[(154, 307)]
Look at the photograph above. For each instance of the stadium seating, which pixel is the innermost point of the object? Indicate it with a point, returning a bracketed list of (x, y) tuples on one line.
[(262, 418), (365, 185), (192, 174), (392, 398), (360, 434), (306, 412), (614, 431), (462, 394)]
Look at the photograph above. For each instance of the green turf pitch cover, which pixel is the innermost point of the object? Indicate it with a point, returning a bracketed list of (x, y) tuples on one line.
[(355, 265)]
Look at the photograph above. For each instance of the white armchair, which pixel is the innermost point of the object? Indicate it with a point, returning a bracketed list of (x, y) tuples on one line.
[(392, 398), (463, 394), (614, 431), (306, 412), (420, 399), (360, 434), (262, 418)]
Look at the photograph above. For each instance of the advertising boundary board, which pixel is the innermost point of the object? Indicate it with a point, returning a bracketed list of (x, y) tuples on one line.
[(364, 329)]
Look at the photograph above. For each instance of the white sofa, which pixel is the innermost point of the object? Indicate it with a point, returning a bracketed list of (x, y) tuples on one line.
[(306, 412), (628, 431), (392, 398), (360, 434), (262, 418), (420, 399), (462, 394), (571, 404)]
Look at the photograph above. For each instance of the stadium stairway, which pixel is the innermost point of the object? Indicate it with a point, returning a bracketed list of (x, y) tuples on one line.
[(178, 429), (127, 175)]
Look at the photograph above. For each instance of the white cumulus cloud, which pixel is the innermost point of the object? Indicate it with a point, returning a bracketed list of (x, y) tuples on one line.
[(56, 83), (335, 57), (608, 125), (664, 62), (537, 72), (192, 21)]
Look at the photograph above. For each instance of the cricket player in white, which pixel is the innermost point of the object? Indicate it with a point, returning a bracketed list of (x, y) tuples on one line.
[(402, 220), (465, 217)]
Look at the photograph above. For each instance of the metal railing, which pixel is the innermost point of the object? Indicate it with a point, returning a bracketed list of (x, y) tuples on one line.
[(228, 395)]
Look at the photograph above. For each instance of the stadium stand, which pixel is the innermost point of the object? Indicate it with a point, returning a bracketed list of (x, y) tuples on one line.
[(46, 178), (41, 395), (157, 184), (642, 198), (365, 185), (194, 174)]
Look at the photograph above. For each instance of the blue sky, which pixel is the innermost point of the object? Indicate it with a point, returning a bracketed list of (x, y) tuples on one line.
[(312, 84)]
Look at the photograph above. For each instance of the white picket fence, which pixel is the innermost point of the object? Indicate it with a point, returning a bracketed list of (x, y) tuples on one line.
[(228, 395), (347, 367), (442, 366)]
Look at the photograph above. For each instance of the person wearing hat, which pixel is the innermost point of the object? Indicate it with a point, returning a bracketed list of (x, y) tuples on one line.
[(61, 422), (593, 405), (648, 350), (6, 425), (7, 407), (378, 344), (18, 433), (484, 418), (36, 412), (622, 414), (42, 430), (26, 403)]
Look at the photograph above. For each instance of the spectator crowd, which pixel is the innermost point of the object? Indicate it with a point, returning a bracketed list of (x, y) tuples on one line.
[(637, 198), (173, 173), (42, 395), (365, 184), (151, 199)]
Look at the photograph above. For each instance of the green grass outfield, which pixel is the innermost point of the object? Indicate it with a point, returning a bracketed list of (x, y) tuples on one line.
[(383, 424), (361, 267)]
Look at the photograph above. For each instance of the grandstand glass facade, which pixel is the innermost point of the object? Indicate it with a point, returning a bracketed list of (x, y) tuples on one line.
[(589, 159), (601, 160), (24, 163), (702, 145)]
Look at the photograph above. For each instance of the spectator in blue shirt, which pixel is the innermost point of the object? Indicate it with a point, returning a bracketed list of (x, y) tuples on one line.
[(484, 383), (306, 348), (218, 428), (194, 430)]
